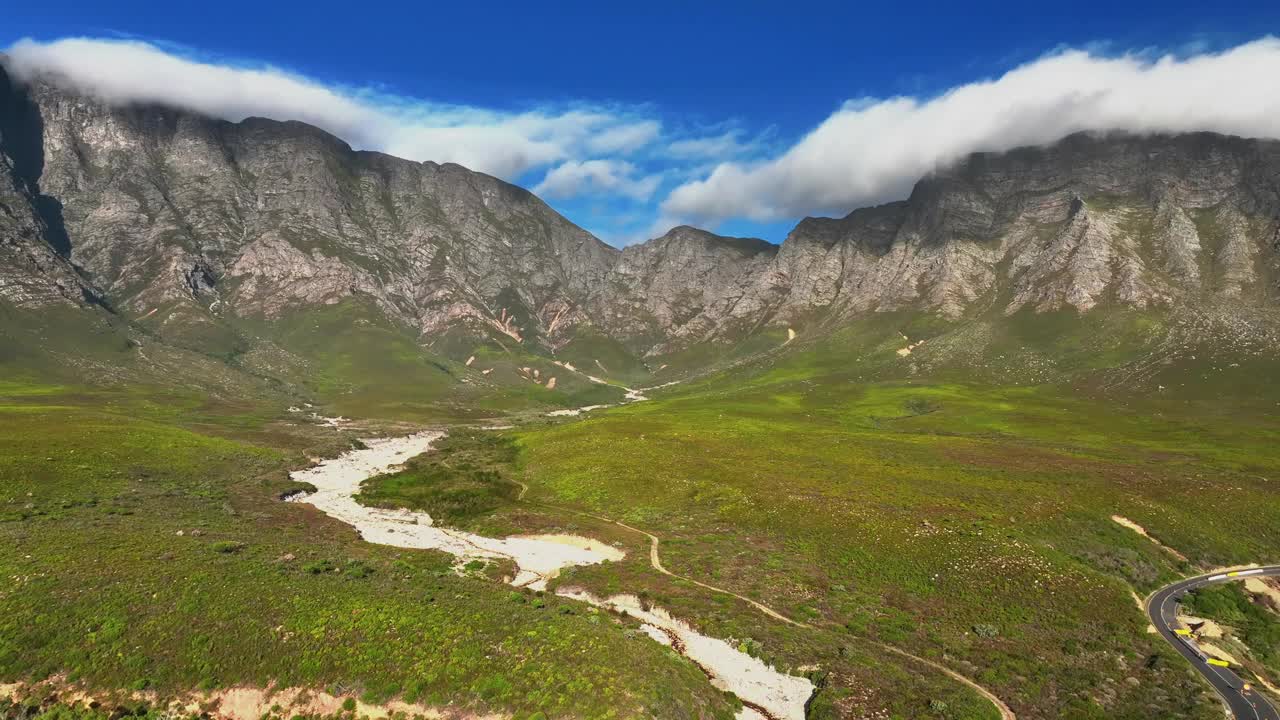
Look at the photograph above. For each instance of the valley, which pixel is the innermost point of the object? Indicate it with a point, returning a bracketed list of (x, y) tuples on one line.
[(1004, 571), (291, 429)]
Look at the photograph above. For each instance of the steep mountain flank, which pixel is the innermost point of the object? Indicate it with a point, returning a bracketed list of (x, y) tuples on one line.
[(170, 210), (681, 288), (1138, 222), (33, 269), (194, 223)]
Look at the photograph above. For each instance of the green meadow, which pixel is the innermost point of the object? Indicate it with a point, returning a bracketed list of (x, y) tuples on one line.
[(145, 548), (955, 504), (967, 522)]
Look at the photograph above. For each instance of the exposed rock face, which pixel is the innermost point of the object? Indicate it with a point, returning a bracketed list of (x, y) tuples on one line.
[(32, 272), (682, 287), (168, 207), (163, 209), (1136, 221)]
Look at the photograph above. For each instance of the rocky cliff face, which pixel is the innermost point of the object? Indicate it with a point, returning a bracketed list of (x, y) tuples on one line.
[(1094, 220), (168, 210), (34, 271), (1091, 220), (162, 211), (682, 287)]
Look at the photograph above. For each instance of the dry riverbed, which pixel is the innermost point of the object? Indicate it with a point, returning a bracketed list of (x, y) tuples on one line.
[(766, 693)]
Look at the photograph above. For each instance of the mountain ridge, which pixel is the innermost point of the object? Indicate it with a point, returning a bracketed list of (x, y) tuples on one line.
[(159, 210)]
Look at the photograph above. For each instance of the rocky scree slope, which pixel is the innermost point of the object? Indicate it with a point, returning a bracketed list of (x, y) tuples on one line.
[(161, 210)]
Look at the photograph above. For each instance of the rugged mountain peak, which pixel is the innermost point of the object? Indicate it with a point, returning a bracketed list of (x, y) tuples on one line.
[(679, 288), (686, 234), (1094, 219), (193, 221), (173, 211)]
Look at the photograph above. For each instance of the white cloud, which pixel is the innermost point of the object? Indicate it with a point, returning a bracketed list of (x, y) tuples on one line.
[(612, 177), (625, 138), (506, 144), (723, 145), (870, 150), (873, 150)]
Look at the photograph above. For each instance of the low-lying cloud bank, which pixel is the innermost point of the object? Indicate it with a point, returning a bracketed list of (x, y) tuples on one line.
[(629, 164), (873, 150), (505, 144)]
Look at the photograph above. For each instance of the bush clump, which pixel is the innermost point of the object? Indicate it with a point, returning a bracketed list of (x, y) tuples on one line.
[(318, 567), (985, 630)]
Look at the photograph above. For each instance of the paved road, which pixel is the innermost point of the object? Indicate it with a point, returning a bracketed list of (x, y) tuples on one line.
[(1162, 608)]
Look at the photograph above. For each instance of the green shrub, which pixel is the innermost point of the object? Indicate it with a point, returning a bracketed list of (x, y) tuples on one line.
[(358, 570), (318, 567), (494, 687)]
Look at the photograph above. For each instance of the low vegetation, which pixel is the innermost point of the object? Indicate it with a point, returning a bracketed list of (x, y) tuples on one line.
[(967, 522), (1250, 622), (145, 549), (467, 477), (959, 512)]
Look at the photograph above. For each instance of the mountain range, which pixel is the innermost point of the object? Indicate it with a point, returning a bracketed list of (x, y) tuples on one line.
[(184, 226)]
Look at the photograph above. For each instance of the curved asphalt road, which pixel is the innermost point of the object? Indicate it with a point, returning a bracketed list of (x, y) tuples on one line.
[(1162, 608)]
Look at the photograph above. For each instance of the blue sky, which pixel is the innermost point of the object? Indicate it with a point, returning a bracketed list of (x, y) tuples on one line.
[(742, 117)]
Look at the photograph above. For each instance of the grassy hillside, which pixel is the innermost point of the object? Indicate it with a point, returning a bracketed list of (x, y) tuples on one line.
[(345, 359), (954, 501), (147, 550), (969, 522)]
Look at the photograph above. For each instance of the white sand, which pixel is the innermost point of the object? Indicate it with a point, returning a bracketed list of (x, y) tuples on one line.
[(631, 394), (333, 422), (575, 411), (247, 703), (1127, 523), (639, 395), (1259, 586), (537, 559), (782, 696)]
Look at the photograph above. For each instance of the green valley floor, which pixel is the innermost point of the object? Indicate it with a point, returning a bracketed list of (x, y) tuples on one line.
[(969, 524)]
